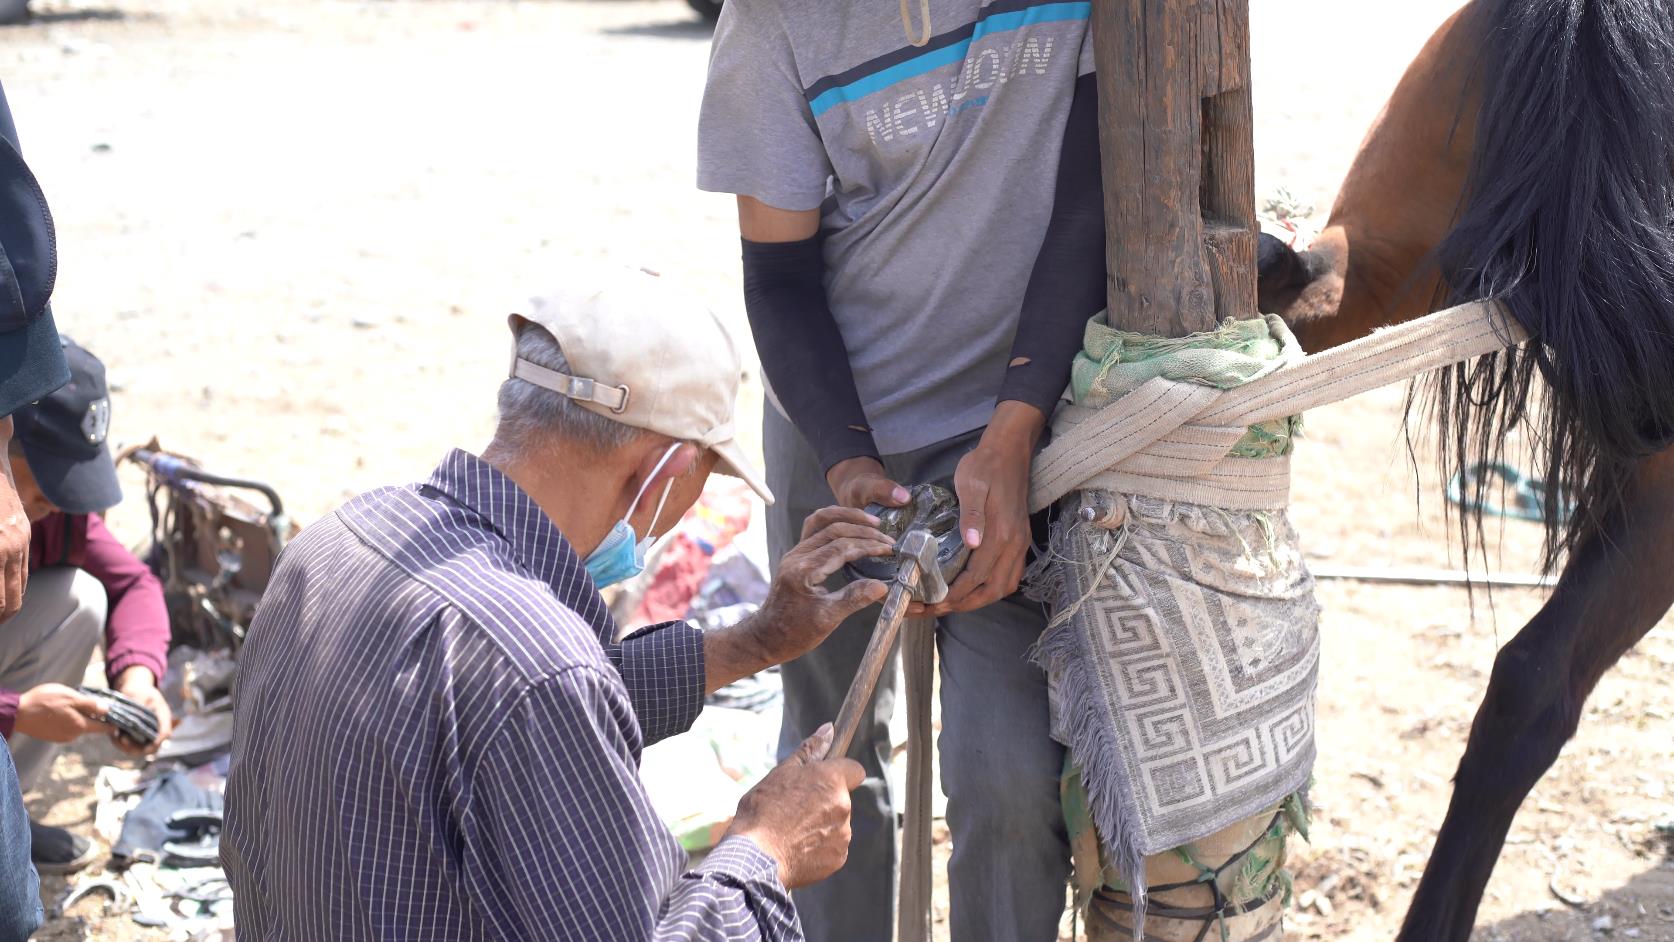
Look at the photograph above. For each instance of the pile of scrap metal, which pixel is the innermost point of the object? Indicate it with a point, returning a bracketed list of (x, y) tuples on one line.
[(212, 549)]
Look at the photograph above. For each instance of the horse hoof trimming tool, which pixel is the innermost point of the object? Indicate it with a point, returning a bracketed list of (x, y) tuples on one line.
[(929, 552)]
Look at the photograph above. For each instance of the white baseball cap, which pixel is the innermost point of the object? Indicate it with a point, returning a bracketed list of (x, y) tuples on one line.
[(644, 354)]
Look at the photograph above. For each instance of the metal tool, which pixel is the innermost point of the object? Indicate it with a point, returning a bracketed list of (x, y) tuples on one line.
[(929, 507), (928, 554), (130, 718)]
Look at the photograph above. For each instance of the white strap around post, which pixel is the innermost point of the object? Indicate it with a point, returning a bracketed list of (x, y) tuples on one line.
[(1170, 440)]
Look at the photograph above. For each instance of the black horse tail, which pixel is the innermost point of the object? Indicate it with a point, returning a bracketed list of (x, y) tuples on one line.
[(1567, 219)]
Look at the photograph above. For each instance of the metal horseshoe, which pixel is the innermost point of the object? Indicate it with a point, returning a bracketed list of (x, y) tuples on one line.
[(930, 507)]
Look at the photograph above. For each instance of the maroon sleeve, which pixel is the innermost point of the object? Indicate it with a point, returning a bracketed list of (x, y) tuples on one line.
[(8, 712), (137, 628)]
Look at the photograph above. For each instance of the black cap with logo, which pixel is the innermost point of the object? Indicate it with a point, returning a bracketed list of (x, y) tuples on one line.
[(63, 438)]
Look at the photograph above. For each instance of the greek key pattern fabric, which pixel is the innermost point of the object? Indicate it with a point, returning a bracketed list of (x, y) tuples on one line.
[(1187, 695)]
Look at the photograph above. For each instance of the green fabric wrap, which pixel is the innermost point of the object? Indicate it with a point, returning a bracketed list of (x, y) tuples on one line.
[(1113, 363)]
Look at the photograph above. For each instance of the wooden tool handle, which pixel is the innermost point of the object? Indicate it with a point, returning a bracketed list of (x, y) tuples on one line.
[(871, 668)]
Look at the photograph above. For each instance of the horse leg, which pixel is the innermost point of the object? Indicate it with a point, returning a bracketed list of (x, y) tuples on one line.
[(1613, 591)]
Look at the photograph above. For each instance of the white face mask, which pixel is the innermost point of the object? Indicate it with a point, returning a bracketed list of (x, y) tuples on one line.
[(621, 555)]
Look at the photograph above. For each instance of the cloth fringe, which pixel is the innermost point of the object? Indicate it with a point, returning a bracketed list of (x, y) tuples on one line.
[(1092, 731)]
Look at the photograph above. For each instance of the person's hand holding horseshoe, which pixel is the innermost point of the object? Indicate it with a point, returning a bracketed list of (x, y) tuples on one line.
[(992, 483), (856, 482)]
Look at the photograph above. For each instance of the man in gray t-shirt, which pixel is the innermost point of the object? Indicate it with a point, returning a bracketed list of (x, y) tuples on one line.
[(893, 194)]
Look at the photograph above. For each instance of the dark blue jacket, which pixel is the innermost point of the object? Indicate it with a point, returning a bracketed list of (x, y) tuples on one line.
[(31, 365), (31, 360)]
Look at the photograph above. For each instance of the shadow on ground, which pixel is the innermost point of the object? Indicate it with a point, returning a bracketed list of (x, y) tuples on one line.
[(94, 15), (1642, 909)]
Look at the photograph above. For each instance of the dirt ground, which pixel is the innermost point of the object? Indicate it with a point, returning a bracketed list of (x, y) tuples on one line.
[(292, 229)]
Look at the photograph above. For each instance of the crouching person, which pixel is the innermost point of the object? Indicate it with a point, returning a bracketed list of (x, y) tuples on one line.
[(438, 731), (84, 587)]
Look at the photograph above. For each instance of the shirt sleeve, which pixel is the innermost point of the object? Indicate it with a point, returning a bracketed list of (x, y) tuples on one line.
[(662, 666), (1067, 284), (801, 348), (756, 131), (8, 712), (562, 841), (137, 626)]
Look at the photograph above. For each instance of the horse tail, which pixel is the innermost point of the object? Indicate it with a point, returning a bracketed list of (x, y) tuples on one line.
[(1567, 219)]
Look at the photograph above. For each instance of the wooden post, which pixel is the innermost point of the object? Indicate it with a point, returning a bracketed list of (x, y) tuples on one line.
[(1175, 130)]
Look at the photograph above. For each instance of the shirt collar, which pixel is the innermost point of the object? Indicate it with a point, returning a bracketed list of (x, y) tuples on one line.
[(535, 540)]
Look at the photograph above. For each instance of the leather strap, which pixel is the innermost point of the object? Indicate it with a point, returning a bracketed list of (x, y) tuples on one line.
[(579, 388)]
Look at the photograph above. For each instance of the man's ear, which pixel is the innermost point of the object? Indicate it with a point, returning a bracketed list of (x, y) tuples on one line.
[(652, 478), (656, 480), (679, 464)]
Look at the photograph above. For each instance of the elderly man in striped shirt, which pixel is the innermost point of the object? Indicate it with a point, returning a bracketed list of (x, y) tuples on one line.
[(438, 731)]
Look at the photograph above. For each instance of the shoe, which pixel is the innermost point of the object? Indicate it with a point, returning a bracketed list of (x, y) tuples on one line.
[(55, 850)]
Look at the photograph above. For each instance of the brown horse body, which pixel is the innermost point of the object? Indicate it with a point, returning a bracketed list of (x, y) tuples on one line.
[(1374, 265)]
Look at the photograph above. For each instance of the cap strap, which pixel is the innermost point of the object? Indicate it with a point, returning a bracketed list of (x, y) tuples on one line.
[(580, 388)]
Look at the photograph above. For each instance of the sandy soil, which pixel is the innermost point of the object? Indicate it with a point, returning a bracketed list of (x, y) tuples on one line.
[(292, 229)]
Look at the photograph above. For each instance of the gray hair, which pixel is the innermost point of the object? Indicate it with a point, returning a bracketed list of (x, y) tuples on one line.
[(530, 413)]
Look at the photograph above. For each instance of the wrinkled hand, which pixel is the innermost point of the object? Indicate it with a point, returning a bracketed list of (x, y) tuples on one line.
[(56, 713), (800, 611), (857, 482), (14, 534), (137, 683), (799, 813), (992, 483)]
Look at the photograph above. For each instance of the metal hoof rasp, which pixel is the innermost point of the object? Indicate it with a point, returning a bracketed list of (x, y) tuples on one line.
[(924, 561)]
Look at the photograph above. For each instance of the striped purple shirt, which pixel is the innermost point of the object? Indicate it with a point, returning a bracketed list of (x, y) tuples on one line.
[(438, 738)]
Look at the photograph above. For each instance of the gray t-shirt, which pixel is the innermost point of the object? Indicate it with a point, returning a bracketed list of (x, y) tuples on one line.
[(934, 168)]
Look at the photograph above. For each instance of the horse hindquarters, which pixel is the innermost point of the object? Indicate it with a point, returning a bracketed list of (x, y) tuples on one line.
[(1568, 220), (1611, 594)]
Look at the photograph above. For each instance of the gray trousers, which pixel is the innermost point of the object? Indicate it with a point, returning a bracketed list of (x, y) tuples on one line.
[(1000, 767), (50, 640)]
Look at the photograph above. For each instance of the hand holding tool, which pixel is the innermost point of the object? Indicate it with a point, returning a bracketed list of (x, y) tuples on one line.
[(132, 719), (924, 561)]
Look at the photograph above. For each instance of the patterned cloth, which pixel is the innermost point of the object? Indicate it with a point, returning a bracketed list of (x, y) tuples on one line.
[(438, 739), (1183, 681)]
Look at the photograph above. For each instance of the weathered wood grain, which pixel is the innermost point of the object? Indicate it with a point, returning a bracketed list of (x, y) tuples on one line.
[(1175, 129)]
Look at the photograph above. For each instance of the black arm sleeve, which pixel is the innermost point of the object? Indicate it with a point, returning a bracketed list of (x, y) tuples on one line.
[(802, 350), (1067, 285)]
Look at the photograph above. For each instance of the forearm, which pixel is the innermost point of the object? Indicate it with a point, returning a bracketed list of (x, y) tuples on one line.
[(136, 636), (137, 627), (1067, 285), (802, 350), (732, 653), (1016, 426), (137, 675)]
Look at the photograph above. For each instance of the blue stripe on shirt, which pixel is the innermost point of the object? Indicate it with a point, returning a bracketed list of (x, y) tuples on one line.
[(930, 61)]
